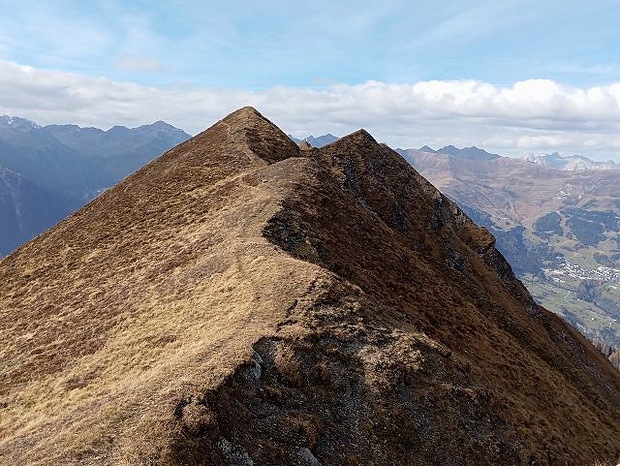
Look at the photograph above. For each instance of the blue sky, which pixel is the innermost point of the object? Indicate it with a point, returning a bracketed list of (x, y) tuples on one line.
[(513, 76)]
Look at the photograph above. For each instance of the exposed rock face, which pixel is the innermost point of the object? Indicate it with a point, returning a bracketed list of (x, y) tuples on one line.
[(239, 301), (613, 354)]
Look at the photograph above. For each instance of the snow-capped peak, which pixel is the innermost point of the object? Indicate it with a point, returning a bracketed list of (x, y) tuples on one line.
[(17, 124), (569, 163)]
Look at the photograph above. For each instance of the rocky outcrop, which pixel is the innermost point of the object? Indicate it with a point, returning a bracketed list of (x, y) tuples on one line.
[(610, 352)]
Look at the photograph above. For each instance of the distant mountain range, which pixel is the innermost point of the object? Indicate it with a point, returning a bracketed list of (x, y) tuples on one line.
[(318, 141), (48, 171), (554, 160), (558, 228), (470, 153)]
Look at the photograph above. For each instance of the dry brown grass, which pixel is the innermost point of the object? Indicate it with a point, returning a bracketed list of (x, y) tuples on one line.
[(149, 296), (132, 329), (287, 365)]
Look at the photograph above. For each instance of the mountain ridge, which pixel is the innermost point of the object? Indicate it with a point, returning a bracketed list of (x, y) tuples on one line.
[(473, 152), (318, 141), (241, 301)]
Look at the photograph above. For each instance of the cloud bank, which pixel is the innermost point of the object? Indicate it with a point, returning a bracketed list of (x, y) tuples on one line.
[(529, 116)]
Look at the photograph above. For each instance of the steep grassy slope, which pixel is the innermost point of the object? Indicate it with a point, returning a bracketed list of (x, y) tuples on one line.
[(157, 288), (559, 229), (236, 303)]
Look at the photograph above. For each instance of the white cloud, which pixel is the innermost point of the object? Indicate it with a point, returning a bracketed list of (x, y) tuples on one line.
[(532, 115)]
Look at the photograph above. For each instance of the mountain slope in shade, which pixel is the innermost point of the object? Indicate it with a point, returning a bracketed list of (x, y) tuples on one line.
[(64, 166), (25, 210), (558, 229), (119, 151), (238, 301)]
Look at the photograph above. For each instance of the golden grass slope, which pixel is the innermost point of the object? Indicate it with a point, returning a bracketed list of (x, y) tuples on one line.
[(158, 287)]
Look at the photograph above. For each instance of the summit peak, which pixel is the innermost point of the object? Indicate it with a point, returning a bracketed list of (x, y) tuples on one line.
[(263, 138), (243, 115), (362, 135), (360, 138), (17, 124)]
